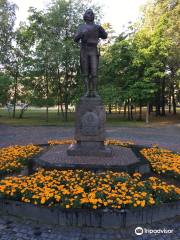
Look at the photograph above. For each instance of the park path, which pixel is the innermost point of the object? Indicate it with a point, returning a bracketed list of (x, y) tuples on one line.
[(166, 136), (15, 229)]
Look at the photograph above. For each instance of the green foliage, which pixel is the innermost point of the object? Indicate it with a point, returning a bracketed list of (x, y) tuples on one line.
[(53, 63), (41, 102), (161, 27), (5, 83), (40, 61), (110, 94), (125, 64), (142, 92), (7, 20)]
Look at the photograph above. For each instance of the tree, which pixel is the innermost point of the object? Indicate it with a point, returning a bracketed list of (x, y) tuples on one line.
[(110, 95), (7, 20), (54, 55), (160, 21), (141, 93), (5, 86)]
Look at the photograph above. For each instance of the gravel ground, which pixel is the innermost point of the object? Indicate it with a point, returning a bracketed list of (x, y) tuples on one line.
[(168, 136), (15, 229)]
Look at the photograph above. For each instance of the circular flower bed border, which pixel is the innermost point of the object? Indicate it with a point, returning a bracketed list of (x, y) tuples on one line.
[(104, 197), (103, 217)]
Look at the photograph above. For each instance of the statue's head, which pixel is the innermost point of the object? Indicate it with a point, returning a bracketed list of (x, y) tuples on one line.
[(88, 16)]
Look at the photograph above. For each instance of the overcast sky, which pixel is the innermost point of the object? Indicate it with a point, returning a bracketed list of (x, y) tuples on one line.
[(116, 12)]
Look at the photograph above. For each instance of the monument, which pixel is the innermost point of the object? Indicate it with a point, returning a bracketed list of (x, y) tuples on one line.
[(90, 112), (89, 150)]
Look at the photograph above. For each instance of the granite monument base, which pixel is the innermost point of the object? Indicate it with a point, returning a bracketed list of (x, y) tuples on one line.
[(123, 159), (90, 129), (89, 149)]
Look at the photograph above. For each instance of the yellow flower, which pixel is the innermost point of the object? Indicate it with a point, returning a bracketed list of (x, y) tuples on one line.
[(72, 188), (143, 203), (43, 200)]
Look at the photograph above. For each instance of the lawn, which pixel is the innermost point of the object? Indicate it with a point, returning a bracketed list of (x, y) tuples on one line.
[(37, 117)]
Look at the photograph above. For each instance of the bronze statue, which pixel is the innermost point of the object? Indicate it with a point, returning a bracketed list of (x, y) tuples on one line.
[(88, 34)]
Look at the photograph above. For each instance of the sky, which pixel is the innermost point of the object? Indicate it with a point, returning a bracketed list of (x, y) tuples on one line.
[(117, 12)]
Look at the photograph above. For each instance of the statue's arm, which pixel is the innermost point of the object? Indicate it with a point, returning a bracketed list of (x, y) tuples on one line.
[(102, 33), (78, 34)]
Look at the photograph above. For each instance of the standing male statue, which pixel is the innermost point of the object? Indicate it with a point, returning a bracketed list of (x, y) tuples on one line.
[(88, 34), (90, 111)]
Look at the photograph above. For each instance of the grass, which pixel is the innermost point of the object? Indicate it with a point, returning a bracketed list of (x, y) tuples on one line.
[(37, 117)]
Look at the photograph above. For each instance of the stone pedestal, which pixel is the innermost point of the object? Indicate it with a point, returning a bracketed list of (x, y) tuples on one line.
[(90, 129)]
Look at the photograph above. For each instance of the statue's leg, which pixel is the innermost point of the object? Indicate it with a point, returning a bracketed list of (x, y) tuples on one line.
[(86, 85), (85, 70), (94, 68)]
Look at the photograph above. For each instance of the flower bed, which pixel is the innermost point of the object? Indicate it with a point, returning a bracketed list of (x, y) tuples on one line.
[(86, 189), (61, 141), (14, 158), (116, 142), (163, 161)]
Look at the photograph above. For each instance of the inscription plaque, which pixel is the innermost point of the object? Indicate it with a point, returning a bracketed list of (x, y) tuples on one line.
[(90, 124)]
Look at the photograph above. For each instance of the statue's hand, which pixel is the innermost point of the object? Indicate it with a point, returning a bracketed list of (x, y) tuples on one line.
[(84, 31), (84, 35)]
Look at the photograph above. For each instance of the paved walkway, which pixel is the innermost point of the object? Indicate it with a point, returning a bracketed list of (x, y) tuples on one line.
[(16, 229), (168, 136)]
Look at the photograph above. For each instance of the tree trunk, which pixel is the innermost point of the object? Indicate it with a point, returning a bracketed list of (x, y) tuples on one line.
[(119, 109), (140, 111), (169, 103), (173, 74), (60, 93), (47, 97), (47, 87), (58, 105), (109, 108), (158, 110), (150, 108), (66, 112), (47, 113), (62, 110), (132, 107), (135, 112), (158, 99), (66, 94), (9, 110), (21, 113), (125, 106), (147, 114), (15, 95), (23, 110), (163, 97), (129, 118), (174, 103), (58, 110), (66, 75)]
